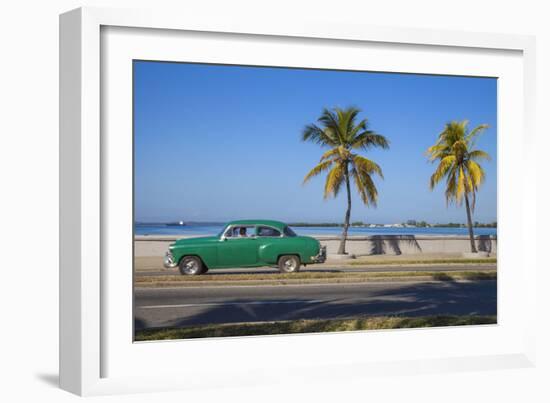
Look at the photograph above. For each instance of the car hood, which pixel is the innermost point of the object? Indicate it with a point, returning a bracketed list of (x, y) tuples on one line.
[(198, 240)]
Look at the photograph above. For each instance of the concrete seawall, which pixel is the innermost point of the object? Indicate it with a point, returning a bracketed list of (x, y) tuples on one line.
[(156, 245)]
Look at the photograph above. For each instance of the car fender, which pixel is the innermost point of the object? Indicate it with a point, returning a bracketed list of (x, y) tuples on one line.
[(270, 251), (207, 253)]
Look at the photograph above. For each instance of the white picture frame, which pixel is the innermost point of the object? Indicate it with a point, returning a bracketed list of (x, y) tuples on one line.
[(96, 356)]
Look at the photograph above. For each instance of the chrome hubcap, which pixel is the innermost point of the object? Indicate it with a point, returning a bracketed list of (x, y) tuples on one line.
[(191, 267), (290, 264)]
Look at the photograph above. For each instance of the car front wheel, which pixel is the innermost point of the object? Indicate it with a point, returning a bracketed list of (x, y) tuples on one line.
[(191, 266), (289, 264)]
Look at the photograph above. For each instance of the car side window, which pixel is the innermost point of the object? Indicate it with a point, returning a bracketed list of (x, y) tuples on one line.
[(231, 232), (268, 231), (240, 232), (289, 232)]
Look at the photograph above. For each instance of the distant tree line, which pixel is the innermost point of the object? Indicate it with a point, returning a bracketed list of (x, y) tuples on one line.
[(413, 223), (321, 224), (476, 224)]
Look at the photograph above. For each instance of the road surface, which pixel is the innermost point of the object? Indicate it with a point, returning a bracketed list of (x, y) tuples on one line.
[(177, 307)]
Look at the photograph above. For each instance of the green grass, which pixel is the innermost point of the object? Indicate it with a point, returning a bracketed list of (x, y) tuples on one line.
[(359, 262), (310, 326), (308, 277)]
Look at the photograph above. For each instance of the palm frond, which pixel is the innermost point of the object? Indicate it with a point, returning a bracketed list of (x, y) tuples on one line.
[(334, 181), (474, 133), (459, 149), (366, 166), (333, 152), (478, 155), (346, 121), (360, 186), (315, 134), (368, 139), (356, 129), (323, 166), (365, 187), (329, 120), (437, 151), (445, 165), (450, 190), (475, 173)]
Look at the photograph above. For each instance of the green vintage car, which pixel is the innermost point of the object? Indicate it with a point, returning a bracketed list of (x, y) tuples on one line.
[(246, 243)]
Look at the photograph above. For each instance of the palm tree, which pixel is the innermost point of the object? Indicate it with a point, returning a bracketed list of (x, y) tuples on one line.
[(339, 130), (459, 163)]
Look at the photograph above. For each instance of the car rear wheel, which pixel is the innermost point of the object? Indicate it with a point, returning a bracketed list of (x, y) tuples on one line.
[(191, 266), (289, 264)]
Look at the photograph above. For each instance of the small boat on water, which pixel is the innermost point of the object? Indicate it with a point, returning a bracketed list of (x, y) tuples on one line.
[(176, 224)]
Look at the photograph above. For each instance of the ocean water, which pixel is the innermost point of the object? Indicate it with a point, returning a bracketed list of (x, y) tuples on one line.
[(213, 229)]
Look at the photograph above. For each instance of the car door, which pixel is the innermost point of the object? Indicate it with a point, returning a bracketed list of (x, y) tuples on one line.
[(235, 250), (270, 244)]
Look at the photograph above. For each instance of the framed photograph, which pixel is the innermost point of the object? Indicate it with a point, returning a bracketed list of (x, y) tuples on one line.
[(262, 199)]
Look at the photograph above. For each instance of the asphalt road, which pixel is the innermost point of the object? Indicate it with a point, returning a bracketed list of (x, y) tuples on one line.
[(335, 269), (177, 307)]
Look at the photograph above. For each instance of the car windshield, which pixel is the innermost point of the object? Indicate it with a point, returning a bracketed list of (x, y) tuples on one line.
[(222, 231), (289, 232)]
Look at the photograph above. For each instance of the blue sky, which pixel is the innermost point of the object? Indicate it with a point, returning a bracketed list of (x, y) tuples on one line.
[(216, 143)]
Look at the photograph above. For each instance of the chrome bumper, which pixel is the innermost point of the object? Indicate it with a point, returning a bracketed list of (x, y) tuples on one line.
[(321, 257), (169, 262)]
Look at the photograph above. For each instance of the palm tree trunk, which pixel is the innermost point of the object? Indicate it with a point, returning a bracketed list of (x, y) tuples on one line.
[(342, 247), (470, 228)]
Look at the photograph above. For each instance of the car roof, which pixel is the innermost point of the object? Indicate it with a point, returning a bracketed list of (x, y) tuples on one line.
[(271, 223)]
